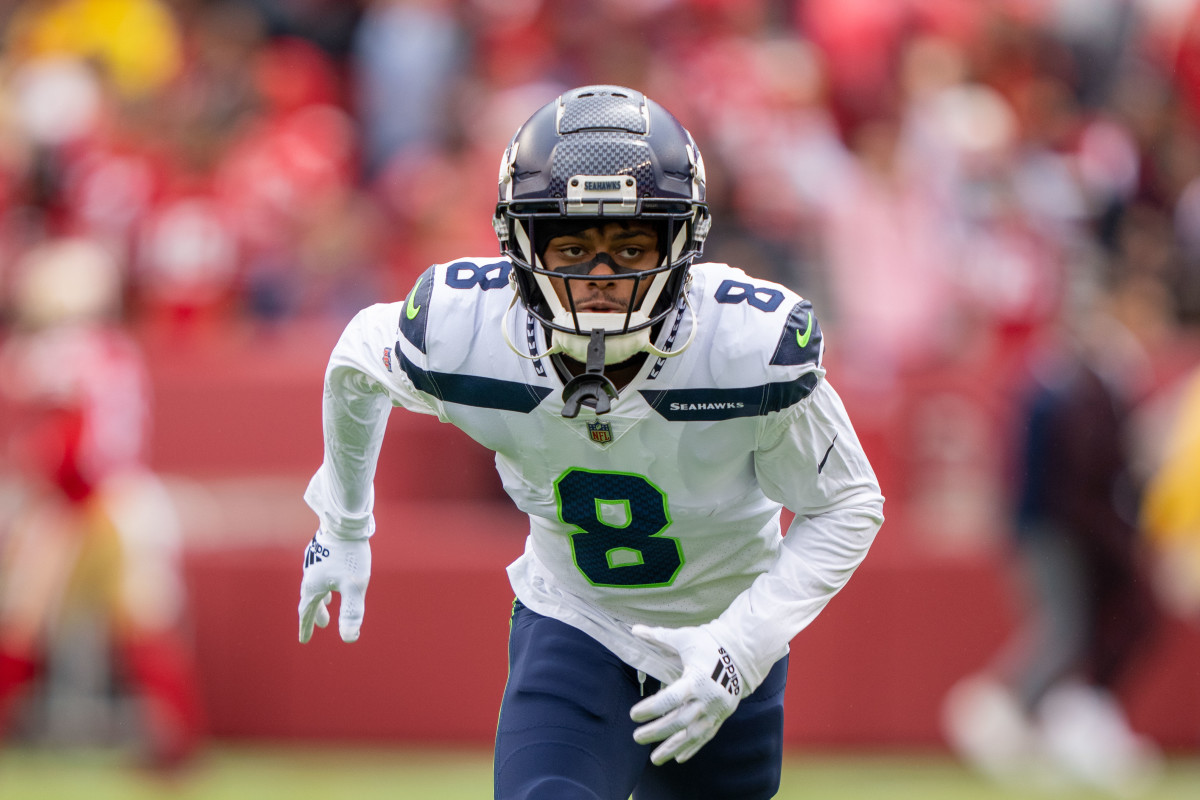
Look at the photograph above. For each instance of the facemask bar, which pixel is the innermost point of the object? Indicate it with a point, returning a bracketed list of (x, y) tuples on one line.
[(517, 230), (557, 346), (572, 320)]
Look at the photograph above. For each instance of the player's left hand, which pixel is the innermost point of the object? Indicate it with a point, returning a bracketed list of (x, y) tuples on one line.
[(687, 713)]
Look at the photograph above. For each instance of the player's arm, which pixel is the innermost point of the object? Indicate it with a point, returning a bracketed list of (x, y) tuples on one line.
[(359, 393), (817, 468), (808, 459)]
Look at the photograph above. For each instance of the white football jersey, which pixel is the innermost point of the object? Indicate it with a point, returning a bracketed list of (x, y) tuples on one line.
[(664, 511)]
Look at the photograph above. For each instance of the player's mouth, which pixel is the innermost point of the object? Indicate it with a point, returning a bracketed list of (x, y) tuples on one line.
[(601, 307)]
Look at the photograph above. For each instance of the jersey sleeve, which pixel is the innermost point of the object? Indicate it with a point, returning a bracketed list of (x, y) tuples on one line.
[(362, 384), (811, 462)]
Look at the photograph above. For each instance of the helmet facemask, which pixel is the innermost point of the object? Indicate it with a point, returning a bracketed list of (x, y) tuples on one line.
[(652, 292)]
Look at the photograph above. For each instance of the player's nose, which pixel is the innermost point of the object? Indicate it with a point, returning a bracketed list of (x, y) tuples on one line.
[(600, 267)]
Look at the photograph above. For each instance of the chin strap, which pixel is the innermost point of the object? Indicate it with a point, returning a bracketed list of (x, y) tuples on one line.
[(592, 384), (650, 348), (554, 348)]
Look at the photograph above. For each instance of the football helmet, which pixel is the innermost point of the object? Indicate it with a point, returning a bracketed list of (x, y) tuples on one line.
[(603, 153)]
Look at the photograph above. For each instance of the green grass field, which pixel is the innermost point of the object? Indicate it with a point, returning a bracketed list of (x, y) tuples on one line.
[(307, 773)]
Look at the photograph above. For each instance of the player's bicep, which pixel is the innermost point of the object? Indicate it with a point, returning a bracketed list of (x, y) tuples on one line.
[(813, 461)]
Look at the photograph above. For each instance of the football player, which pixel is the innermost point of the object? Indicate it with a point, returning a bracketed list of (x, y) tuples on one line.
[(96, 533), (652, 416)]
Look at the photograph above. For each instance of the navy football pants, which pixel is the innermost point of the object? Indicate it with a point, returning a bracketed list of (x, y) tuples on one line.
[(565, 732)]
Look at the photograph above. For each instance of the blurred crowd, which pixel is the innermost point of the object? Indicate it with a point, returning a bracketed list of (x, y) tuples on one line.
[(934, 172)]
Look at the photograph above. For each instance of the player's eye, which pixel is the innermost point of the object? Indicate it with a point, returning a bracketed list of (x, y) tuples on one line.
[(572, 251)]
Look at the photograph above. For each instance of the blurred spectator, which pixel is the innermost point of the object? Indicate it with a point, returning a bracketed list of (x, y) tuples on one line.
[(442, 191), (1099, 34), (286, 173), (888, 256), (135, 43), (409, 56), (765, 104), (328, 24), (93, 551), (217, 90), (1171, 514), (1049, 700)]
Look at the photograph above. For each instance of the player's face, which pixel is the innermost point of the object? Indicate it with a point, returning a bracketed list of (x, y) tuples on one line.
[(597, 255)]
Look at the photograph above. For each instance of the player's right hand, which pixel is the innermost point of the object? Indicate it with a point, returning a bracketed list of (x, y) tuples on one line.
[(686, 714), (334, 565)]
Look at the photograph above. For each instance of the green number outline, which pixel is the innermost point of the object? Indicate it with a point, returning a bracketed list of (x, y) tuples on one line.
[(658, 534)]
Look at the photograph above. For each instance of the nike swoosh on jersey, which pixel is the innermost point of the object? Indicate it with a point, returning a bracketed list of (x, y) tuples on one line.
[(411, 311), (802, 339), (825, 457)]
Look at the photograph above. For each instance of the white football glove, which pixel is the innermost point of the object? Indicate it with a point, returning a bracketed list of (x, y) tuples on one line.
[(334, 565), (688, 712)]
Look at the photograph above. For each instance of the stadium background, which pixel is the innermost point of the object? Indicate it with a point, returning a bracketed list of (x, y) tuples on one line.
[(933, 173)]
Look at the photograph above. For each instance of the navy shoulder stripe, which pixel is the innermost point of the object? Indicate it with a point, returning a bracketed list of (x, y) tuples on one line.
[(713, 405), (473, 390)]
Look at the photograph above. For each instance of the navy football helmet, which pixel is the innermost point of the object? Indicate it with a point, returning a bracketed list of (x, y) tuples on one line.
[(602, 153)]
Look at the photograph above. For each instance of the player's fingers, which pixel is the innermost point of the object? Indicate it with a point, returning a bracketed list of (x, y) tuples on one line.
[(670, 748), (311, 605), (350, 616), (659, 636), (667, 725), (660, 728), (322, 618), (661, 702), (693, 747)]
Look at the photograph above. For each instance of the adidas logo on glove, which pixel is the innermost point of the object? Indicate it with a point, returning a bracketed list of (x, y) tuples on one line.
[(316, 553), (725, 673)]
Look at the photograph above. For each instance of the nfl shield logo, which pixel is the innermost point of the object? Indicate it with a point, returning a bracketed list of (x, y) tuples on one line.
[(600, 431), (387, 358)]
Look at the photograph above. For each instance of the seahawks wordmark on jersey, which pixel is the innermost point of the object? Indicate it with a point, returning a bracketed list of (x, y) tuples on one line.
[(664, 511)]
